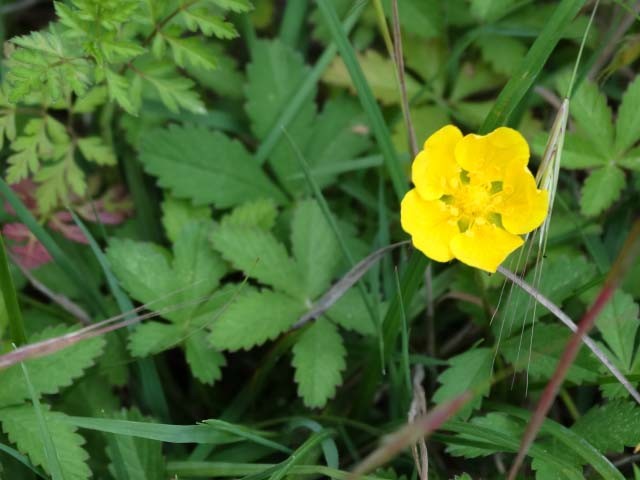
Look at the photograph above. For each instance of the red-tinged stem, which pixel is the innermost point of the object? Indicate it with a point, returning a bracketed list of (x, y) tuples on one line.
[(411, 433), (624, 260)]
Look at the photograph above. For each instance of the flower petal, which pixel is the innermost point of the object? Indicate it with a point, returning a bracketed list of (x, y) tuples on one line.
[(484, 246), (523, 207), (486, 157), (430, 224), (435, 171)]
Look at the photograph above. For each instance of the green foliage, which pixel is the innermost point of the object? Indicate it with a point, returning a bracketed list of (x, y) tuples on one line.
[(21, 426), (468, 371), (611, 427), (181, 159), (51, 373)]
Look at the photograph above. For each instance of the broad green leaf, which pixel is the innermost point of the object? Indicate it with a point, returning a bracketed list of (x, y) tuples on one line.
[(21, 426), (315, 247), (380, 74), (504, 54), (134, 458), (470, 370), (618, 322), (426, 120), (549, 341), (94, 150), (259, 255), (339, 135), (177, 213), (319, 358), (593, 117), (350, 312), (423, 18), (601, 189), (631, 160), (51, 373), (628, 122), (253, 318), (473, 79), (204, 360), (610, 427), (205, 167), (274, 75), (257, 213), (153, 337), (577, 153)]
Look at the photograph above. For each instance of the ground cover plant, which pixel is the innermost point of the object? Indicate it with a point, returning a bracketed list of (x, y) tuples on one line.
[(320, 239)]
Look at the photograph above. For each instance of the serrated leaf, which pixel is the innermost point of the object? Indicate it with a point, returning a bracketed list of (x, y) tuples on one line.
[(628, 122), (504, 54), (314, 247), (631, 160), (593, 117), (177, 213), (319, 358), (253, 318), (237, 6), (618, 322), (259, 255), (153, 337), (117, 51), (207, 22), (601, 189), (350, 312), (174, 90), (21, 426), (548, 344), (51, 373), (577, 153), (470, 370), (610, 427), (193, 51), (204, 166), (94, 150), (274, 75), (257, 213), (91, 100), (204, 360), (380, 74), (120, 91)]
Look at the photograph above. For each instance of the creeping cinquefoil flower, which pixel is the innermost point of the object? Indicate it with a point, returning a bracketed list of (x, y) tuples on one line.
[(473, 197)]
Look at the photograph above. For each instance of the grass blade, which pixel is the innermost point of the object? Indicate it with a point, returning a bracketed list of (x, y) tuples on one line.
[(8, 292), (369, 104)]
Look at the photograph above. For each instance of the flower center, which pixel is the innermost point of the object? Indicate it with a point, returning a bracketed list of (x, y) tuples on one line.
[(474, 201)]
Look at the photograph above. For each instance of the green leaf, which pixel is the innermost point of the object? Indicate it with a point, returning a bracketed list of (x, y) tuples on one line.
[(319, 358), (504, 54), (174, 90), (350, 312), (204, 360), (488, 10), (577, 153), (601, 189), (274, 75), (473, 79), (51, 373), (548, 344), (177, 213), (380, 74), (259, 255), (237, 6), (257, 213), (593, 117), (94, 150), (253, 318), (631, 160), (315, 247), (120, 91), (628, 121), (423, 18), (91, 100), (21, 426), (153, 337), (610, 427), (204, 166), (192, 50), (470, 370), (505, 424), (207, 22), (618, 322), (426, 120)]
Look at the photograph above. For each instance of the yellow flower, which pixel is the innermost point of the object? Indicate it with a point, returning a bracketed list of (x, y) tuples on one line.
[(473, 197)]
